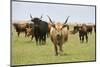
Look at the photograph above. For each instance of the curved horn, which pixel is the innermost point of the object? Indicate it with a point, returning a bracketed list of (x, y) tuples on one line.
[(66, 19), (31, 16), (50, 19)]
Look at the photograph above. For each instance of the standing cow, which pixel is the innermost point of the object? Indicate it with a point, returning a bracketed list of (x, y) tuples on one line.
[(59, 35), (21, 27), (40, 30), (30, 30), (83, 33), (89, 28)]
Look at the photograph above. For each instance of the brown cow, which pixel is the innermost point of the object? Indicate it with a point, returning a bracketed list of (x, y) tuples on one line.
[(30, 32), (89, 28), (59, 35), (21, 27)]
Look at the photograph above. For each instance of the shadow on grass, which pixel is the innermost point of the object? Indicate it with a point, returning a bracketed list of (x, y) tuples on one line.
[(65, 54)]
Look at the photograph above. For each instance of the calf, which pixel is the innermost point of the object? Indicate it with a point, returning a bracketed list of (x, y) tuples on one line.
[(30, 32)]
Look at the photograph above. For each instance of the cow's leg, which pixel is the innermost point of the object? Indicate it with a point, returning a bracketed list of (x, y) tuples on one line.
[(32, 37), (56, 50), (82, 38), (44, 40), (48, 35), (36, 38), (25, 33), (40, 40), (18, 33), (60, 49), (91, 32), (86, 38)]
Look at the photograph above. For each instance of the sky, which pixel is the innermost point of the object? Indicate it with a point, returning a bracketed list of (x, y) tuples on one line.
[(57, 12)]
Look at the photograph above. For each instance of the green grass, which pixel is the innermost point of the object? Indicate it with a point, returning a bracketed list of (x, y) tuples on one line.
[(25, 51)]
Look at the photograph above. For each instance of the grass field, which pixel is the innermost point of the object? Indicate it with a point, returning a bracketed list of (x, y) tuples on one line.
[(25, 51)]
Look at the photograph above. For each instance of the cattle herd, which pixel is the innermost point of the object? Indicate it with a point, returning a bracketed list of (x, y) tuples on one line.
[(57, 31)]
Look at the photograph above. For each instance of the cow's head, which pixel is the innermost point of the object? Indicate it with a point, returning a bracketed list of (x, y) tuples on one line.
[(36, 20), (58, 27), (76, 29), (28, 31)]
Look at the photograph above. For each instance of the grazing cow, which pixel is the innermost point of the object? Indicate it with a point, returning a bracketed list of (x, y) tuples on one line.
[(21, 27), (58, 34), (40, 30)]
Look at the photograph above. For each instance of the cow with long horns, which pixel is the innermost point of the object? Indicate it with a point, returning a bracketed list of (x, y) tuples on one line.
[(40, 29), (58, 34)]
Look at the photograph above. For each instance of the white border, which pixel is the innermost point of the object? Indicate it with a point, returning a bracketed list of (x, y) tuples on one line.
[(5, 33)]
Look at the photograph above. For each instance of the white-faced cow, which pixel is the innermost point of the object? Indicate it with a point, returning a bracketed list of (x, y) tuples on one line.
[(58, 34), (30, 30)]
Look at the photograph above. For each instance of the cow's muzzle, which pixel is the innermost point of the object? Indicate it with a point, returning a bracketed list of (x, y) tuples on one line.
[(58, 39)]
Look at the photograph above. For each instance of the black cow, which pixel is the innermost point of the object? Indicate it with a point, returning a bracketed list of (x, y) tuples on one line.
[(40, 30)]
